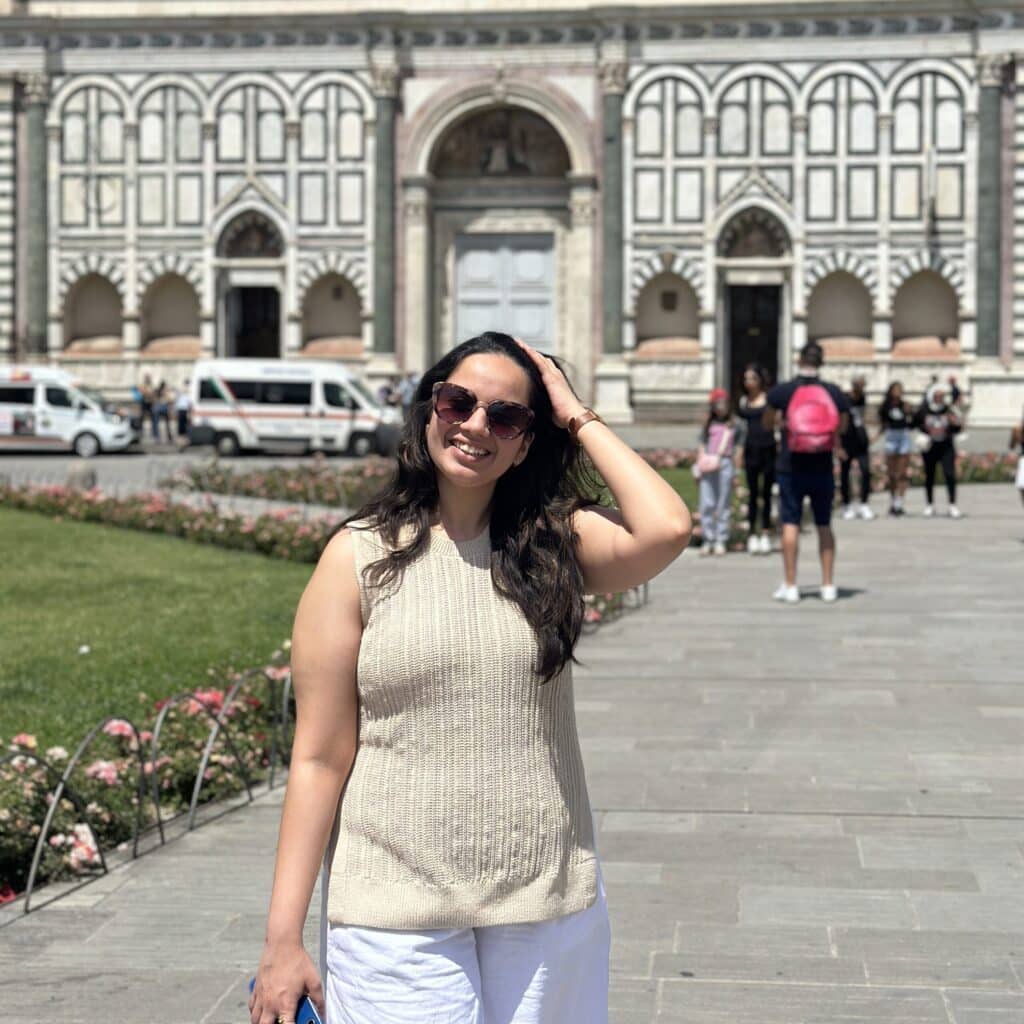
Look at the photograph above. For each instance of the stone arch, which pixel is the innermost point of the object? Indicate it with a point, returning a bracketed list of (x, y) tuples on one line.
[(842, 260), (232, 82), (655, 74), (54, 118), (92, 314), (754, 70), (926, 314), (91, 263), (332, 318), (668, 313), (169, 317), (839, 309), (169, 263), (166, 81), (666, 261), (939, 67), (251, 219), (452, 105), (864, 72), (762, 218), (925, 260), (338, 78), (332, 263)]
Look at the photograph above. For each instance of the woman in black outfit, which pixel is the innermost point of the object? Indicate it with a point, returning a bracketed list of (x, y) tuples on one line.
[(939, 419), (896, 420), (758, 457)]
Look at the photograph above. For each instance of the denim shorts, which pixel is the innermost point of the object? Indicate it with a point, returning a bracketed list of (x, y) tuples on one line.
[(898, 441), (794, 487)]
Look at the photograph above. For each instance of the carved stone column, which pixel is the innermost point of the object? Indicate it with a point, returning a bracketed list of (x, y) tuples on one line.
[(385, 84), (992, 75), (36, 95), (613, 84)]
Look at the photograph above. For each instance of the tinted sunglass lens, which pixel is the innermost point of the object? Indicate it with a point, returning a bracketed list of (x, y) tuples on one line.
[(453, 404), (507, 421)]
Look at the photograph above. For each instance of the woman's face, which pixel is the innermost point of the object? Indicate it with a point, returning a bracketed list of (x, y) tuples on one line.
[(897, 392), (751, 382), (720, 409), (467, 454)]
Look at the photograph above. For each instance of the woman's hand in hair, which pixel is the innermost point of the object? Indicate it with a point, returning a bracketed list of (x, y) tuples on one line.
[(564, 403)]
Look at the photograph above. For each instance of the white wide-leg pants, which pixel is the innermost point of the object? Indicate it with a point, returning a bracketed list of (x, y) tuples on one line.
[(543, 972)]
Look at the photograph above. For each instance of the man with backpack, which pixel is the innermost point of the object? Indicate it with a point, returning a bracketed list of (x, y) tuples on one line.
[(812, 415)]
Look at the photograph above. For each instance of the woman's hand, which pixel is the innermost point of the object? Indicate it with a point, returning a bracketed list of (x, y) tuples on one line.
[(286, 973), (564, 404)]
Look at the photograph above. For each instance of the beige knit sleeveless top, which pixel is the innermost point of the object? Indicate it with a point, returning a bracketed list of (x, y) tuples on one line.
[(467, 804)]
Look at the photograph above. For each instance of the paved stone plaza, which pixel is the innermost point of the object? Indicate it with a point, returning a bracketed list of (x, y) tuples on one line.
[(807, 814)]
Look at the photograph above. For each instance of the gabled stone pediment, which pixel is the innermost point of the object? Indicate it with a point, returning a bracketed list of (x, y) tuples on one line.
[(248, 191), (755, 186)]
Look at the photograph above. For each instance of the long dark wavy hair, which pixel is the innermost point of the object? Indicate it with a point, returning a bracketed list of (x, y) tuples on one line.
[(533, 553)]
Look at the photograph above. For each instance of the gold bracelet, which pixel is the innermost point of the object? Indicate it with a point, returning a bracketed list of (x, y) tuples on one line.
[(580, 421)]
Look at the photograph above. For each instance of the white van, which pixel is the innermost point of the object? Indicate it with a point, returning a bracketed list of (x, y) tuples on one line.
[(258, 404), (44, 409)]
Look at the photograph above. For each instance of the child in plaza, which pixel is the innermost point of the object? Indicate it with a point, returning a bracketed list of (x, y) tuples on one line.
[(896, 425), (855, 448), (758, 456), (716, 471), (940, 419)]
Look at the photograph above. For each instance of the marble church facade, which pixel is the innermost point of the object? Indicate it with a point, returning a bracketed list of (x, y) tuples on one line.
[(658, 194)]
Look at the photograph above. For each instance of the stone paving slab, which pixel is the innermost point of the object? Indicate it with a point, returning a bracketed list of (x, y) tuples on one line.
[(806, 815)]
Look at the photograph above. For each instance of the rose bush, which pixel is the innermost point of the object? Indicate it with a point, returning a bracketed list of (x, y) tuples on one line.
[(100, 806)]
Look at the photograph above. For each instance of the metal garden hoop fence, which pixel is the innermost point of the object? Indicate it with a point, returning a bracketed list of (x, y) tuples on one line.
[(278, 692)]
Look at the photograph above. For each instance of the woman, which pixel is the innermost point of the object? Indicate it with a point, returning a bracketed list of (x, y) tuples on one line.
[(1017, 444), (896, 422), (758, 445), (431, 660), (715, 466), (939, 419), (856, 448)]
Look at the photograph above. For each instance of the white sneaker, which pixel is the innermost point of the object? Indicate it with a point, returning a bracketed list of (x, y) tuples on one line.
[(849, 512), (766, 544), (955, 513), (705, 549), (753, 546), (719, 548), (865, 512), (784, 592), (928, 511), (829, 592)]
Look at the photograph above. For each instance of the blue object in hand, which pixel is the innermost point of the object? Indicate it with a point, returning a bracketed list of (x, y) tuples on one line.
[(305, 1012)]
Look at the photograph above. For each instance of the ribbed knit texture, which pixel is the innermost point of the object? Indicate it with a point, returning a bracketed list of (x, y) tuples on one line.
[(467, 805)]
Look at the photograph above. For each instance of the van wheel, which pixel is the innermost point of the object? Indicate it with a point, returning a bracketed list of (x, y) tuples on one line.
[(87, 445), (227, 445), (360, 445)]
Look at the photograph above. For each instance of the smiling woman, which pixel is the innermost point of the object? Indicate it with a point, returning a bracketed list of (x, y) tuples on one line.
[(432, 658)]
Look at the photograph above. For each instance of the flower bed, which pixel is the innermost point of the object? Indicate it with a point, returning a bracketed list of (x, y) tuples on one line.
[(127, 778), (313, 484)]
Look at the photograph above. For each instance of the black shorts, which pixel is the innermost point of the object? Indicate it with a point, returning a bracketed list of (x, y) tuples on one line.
[(794, 487)]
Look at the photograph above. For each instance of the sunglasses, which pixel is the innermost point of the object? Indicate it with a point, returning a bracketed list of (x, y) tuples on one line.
[(505, 420)]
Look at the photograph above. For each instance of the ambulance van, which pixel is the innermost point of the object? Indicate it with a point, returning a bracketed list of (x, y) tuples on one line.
[(288, 405), (42, 408)]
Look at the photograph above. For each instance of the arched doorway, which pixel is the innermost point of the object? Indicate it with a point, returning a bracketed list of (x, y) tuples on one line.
[(754, 257), (498, 222), (250, 254), (502, 279)]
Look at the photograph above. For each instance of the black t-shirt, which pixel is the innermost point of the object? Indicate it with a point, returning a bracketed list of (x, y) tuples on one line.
[(894, 416), (855, 440), (758, 435), (800, 462), (940, 423)]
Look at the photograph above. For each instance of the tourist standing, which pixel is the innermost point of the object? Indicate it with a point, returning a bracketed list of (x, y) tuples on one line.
[(146, 403), (435, 766), (161, 412), (855, 448), (183, 410), (812, 413), (716, 472), (1017, 444), (758, 448), (939, 418), (896, 425)]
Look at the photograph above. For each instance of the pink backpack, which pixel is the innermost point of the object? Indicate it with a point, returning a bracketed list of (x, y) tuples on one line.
[(811, 420)]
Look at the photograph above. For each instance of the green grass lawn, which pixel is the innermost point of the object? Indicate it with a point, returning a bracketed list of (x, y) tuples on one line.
[(156, 613), (685, 486)]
